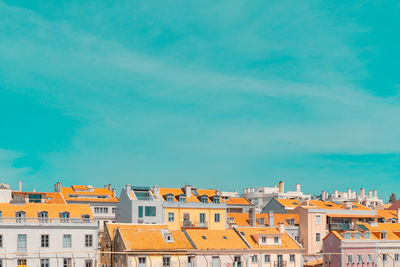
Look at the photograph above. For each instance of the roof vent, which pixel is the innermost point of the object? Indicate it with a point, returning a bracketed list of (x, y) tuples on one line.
[(204, 237)]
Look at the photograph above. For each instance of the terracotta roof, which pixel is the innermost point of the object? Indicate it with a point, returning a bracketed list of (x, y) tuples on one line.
[(238, 201), (32, 209), (339, 235), (318, 204), (288, 203), (49, 197), (387, 214), (286, 243), (193, 198), (114, 226), (242, 219), (316, 262), (395, 205), (152, 239), (86, 194), (392, 230), (216, 239)]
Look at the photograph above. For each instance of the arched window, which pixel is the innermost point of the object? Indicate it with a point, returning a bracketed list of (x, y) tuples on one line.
[(204, 199), (64, 217), (43, 217), (20, 216), (86, 218)]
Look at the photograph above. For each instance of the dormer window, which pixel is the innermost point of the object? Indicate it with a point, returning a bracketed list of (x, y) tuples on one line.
[(204, 199), (169, 198), (383, 235), (182, 198), (215, 199), (367, 235), (85, 217), (347, 235), (20, 217), (64, 217), (357, 235), (43, 216)]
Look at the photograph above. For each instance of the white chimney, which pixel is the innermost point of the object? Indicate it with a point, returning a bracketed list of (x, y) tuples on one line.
[(156, 190), (252, 217), (281, 227), (362, 192), (323, 196), (349, 193), (188, 190), (398, 215), (270, 218), (298, 188), (335, 193), (57, 187), (20, 186), (370, 194), (375, 193)]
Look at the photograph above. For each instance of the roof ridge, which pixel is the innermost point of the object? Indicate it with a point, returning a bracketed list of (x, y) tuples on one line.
[(189, 238)]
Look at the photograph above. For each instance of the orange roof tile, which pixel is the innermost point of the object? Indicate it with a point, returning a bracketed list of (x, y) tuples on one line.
[(318, 204), (387, 214), (152, 239), (287, 241), (288, 203), (238, 201), (54, 210), (193, 198), (85, 194), (216, 239), (242, 219)]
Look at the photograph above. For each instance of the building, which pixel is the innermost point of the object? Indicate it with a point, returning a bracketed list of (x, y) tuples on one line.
[(345, 248), (186, 207), (279, 205), (317, 218), (261, 196), (388, 216), (102, 201), (370, 200), (252, 247), (238, 204), (36, 234)]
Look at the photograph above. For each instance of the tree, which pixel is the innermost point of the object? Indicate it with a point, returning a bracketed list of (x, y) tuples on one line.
[(392, 198)]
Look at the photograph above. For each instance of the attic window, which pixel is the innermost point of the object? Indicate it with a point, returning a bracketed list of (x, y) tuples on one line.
[(204, 199), (367, 235), (383, 235), (328, 205), (216, 199), (347, 235), (182, 198), (170, 198), (204, 237), (357, 235)]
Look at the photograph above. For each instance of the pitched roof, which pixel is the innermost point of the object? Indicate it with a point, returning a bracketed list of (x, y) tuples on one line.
[(339, 235), (392, 230), (85, 193), (153, 239), (48, 197), (193, 198), (319, 204), (111, 227), (387, 214), (286, 241), (288, 203), (216, 239), (238, 201), (32, 209), (395, 205), (242, 219)]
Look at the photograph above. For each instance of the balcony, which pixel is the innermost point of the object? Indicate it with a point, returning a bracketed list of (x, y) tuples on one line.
[(341, 226), (41, 220), (194, 225), (280, 264)]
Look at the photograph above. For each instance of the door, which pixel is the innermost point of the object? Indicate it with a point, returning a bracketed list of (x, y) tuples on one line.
[(21, 263), (280, 261), (190, 261), (202, 219), (186, 220), (142, 262)]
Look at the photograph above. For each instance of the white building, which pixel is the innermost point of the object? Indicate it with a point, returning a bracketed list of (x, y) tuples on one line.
[(102, 201), (261, 196), (370, 200), (47, 235)]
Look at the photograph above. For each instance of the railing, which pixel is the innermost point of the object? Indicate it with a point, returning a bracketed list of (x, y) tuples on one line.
[(190, 224), (44, 220), (341, 226)]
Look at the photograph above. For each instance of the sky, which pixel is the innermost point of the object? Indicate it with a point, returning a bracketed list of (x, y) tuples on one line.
[(217, 94)]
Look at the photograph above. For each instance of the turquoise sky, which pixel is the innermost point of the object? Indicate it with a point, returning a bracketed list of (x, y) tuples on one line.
[(223, 94)]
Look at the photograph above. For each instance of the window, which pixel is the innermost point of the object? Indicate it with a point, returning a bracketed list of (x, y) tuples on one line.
[(44, 263), (264, 239), (216, 200), (202, 218), (88, 263), (349, 258), (170, 198), (215, 261), (292, 258), (88, 241), (67, 241), (166, 261), (142, 260), (318, 237), (64, 216), (367, 235), (357, 235), (101, 210), (20, 216), (43, 217), (150, 211), (140, 212), (254, 258), (182, 199), (21, 243), (396, 257), (384, 257), (370, 258), (347, 235), (67, 262), (1, 262), (360, 258), (318, 219), (267, 258), (1, 241), (383, 235), (276, 239), (217, 218), (171, 216), (21, 262), (114, 210), (204, 199), (44, 241)]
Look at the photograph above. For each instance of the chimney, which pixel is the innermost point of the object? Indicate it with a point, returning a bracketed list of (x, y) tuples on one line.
[(335, 193), (109, 187), (156, 190), (114, 191), (281, 187), (398, 215), (270, 218), (57, 187), (281, 227), (362, 192), (298, 188), (20, 186), (375, 193), (348, 205), (370, 194), (34, 190), (349, 193), (307, 203), (188, 190), (326, 195), (128, 188), (323, 196), (252, 217)]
